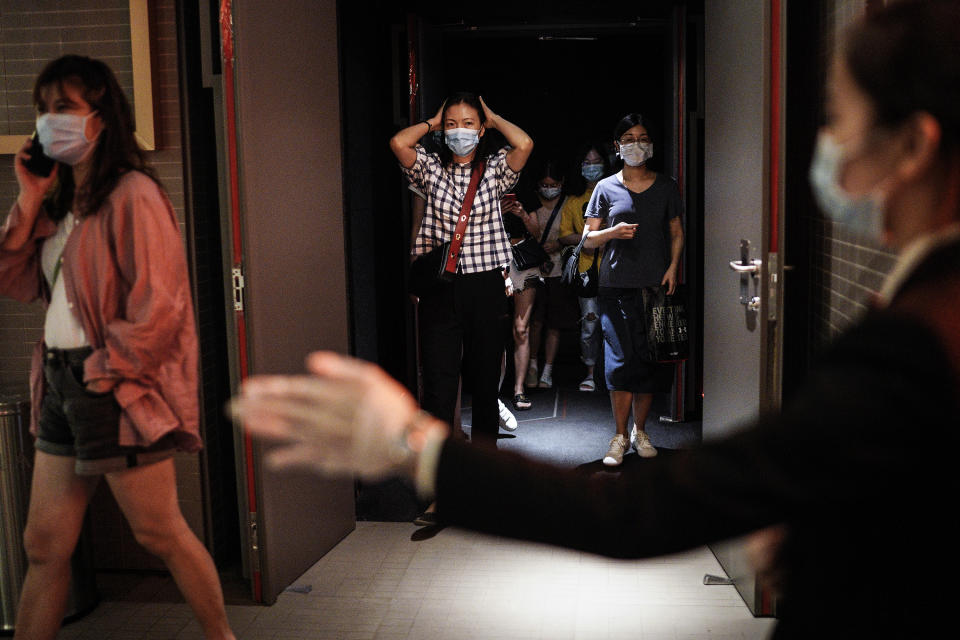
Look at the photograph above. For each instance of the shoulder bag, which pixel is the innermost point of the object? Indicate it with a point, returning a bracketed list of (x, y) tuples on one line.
[(584, 283), (528, 253), (440, 263)]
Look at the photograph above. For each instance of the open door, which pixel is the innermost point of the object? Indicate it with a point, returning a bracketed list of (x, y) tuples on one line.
[(742, 199), (288, 258)]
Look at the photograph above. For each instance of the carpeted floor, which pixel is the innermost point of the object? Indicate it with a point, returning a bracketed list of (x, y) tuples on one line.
[(565, 426)]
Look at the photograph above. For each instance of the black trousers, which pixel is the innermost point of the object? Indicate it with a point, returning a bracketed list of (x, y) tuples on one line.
[(461, 331)]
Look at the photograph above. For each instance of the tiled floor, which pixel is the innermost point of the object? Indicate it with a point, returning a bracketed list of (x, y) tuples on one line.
[(382, 582)]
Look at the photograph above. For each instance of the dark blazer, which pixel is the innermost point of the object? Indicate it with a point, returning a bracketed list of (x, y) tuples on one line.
[(861, 465)]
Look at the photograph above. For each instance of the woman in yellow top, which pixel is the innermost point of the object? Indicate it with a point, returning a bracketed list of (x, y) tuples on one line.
[(593, 168)]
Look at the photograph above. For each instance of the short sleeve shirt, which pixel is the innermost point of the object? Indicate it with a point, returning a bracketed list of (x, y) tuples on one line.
[(485, 244), (572, 222), (642, 260)]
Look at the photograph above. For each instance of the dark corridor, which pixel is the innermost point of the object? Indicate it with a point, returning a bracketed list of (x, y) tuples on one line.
[(564, 72)]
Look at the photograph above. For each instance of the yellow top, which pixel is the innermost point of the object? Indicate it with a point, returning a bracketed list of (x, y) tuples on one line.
[(571, 221)]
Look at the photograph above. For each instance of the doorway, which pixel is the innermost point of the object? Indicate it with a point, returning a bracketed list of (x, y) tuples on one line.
[(565, 73)]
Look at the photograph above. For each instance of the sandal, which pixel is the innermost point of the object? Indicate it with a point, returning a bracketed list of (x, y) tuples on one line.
[(588, 384), (521, 402)]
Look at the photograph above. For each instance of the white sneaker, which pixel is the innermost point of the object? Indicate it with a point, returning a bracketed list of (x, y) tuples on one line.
[(507, 420), (618, 444), (546, 380), (587, 384), (641, 442)]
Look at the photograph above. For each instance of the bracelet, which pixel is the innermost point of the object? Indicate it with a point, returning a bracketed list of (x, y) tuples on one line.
[(429, 126)]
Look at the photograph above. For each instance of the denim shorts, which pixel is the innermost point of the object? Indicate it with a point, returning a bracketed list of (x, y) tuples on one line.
[(624, 339), (78, 423)]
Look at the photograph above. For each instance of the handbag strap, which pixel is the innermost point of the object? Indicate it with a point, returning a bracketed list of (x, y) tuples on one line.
[(546, 229), (454, 256), (583, 238)]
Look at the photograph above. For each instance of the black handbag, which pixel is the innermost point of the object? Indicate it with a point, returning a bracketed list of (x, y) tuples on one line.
[(584, 283), (665, 322), (528, 253), (427, 271)]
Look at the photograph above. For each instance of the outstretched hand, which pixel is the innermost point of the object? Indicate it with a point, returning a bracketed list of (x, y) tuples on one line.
[(348, 417)]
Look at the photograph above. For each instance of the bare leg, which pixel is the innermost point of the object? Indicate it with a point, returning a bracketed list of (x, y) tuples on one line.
[(621, 401), (641, 408), (148, 499), (58, 500), (523, 306), (536, 326), (550, 346)]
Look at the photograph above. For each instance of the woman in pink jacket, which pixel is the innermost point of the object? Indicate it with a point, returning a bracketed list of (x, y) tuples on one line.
[(114, 383)]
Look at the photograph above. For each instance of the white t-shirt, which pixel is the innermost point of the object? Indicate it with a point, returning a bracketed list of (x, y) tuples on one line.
[(61, 329)]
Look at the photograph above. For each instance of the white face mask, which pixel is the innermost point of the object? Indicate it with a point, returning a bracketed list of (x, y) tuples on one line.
[(636, 153), (861, 214), (64, 136)]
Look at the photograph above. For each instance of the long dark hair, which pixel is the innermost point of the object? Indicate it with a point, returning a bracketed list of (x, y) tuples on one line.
[(117, 151), (906, 59), (483, 152)]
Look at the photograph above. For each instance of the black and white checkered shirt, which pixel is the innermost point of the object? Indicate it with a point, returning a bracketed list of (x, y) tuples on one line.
[(486, 245)]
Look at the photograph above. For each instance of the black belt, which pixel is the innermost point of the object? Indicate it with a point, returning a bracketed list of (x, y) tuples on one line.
[(69, 357)]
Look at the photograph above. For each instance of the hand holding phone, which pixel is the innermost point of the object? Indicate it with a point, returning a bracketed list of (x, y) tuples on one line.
[(39, 163), (509, 203)]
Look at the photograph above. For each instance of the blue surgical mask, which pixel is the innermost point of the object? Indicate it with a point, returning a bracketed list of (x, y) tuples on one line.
[(64, 137), (636, 153), (591, 172), (462, 141), (549, 193), (861, 214)]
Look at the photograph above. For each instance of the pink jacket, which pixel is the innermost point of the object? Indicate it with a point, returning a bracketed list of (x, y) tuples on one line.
[(126, 280)]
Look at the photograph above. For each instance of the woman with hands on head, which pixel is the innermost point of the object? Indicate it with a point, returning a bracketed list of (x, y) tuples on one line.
[(461, 319), (859, 461), (642, 243), (114, 381)]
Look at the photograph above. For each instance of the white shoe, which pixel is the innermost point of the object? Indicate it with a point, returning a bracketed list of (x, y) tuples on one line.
[(587, 384), (618, 444), (546, 380), (507, 420), (641, 442)]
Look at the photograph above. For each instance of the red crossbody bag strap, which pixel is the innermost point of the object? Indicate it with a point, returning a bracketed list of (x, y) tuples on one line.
[(454, 256)]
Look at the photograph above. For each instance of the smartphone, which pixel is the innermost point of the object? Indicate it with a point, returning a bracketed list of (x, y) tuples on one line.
[(39, 163), (509, 198)]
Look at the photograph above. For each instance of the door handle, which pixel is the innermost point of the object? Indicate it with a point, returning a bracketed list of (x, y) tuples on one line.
[(748, 270), (753, 266)]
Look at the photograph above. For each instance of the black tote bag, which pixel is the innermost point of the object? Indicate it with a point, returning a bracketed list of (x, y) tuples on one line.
[(665, 323)]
